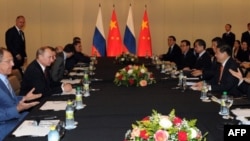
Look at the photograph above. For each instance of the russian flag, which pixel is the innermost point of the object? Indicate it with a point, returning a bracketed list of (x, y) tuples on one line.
[(129, 36), (99, 41)]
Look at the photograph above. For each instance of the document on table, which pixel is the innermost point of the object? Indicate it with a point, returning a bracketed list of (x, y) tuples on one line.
[(29, 128), (242, 114), (80, 68), (54, 105), (75, 81), (75, 73)]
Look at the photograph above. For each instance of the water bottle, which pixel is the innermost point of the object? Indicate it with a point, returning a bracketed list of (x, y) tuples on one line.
[(86, 90), (204, 91), (78, 98), (70, 122), (223, 107), (85, 78), (180, 78), (53, 134)]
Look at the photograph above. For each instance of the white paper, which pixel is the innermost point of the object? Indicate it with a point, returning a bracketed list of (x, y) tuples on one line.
[(75, 73), (29, 128), (75, 81), (80, 68), (241, 112), (192, 78), (241, 115), (191, 83), (54, 105)]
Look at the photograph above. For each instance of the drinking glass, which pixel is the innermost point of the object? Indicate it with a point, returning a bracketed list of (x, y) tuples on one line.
[(228, 102)]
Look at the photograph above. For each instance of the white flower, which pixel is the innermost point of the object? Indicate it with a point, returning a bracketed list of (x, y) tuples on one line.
[(165, 122), (130, 71), (143, 70), (193, 133)]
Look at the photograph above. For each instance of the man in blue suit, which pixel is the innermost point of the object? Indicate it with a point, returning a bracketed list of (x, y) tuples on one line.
[(12, 108)]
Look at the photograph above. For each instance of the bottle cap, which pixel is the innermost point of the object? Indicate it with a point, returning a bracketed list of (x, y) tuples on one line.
[(69, 102), (52, 127)]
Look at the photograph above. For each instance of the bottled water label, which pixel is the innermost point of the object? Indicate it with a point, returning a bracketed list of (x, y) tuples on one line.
[(69, 115), (78, 97)]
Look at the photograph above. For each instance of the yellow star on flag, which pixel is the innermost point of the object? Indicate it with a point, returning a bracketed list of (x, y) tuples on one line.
[(112, 24), (144, 24)]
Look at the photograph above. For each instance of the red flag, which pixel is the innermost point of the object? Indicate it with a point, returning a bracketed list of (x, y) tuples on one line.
[(115, 46), (144, 44)]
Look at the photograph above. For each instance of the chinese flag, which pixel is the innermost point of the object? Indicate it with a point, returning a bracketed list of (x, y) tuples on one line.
[(144, 44), (115, 46)]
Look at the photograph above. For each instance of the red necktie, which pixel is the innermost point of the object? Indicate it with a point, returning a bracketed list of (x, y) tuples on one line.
[(221, 72)]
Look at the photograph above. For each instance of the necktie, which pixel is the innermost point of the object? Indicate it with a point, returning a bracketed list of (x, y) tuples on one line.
[(21, 34), (221, 72), (46, 73), (9, 87)]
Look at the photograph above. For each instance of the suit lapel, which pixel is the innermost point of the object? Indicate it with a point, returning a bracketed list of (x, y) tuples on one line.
[(4, 88)]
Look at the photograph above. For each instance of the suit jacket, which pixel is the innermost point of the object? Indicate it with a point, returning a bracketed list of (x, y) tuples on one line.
[(208, 74), (244, 87), (57, 68), (16, 45), (173, 56), (228, 82), (203, 62), (77, 57), (245, 36), (9, 116), (188, 60), (229, 38), (34, 77)]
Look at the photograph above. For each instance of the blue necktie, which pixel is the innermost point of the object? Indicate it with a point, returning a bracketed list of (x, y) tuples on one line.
[(9, 87)]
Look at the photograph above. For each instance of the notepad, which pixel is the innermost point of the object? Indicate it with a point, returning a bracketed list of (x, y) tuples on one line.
[(54, 105), (28, 128)]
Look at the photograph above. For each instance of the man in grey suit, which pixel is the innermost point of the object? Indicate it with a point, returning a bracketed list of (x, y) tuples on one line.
[(58, 67)]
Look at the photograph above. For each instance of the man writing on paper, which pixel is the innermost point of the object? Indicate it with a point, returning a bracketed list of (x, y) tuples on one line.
[(12, 107)]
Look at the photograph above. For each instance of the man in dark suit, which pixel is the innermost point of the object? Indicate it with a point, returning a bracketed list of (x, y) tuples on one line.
[(37, 75), (77, 57), (174, 52), (246, 35), (12, 108), (58, 67), (15, 42), (207, 74), (228, 37), (244, 82), (203, 60), (188, 58), (223, 80)]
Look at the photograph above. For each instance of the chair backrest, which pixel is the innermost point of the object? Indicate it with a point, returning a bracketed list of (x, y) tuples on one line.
[(17, 73), (15, 83)]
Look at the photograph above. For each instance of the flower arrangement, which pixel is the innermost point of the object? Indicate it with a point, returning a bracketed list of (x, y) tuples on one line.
[(159, 127), (126, 58), (134, 75)]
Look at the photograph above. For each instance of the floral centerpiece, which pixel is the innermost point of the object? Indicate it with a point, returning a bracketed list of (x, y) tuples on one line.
[(134, 75), (126, 58), (159, 127)]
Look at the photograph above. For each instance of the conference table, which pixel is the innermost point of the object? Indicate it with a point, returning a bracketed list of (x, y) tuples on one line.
[(112, 110)]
